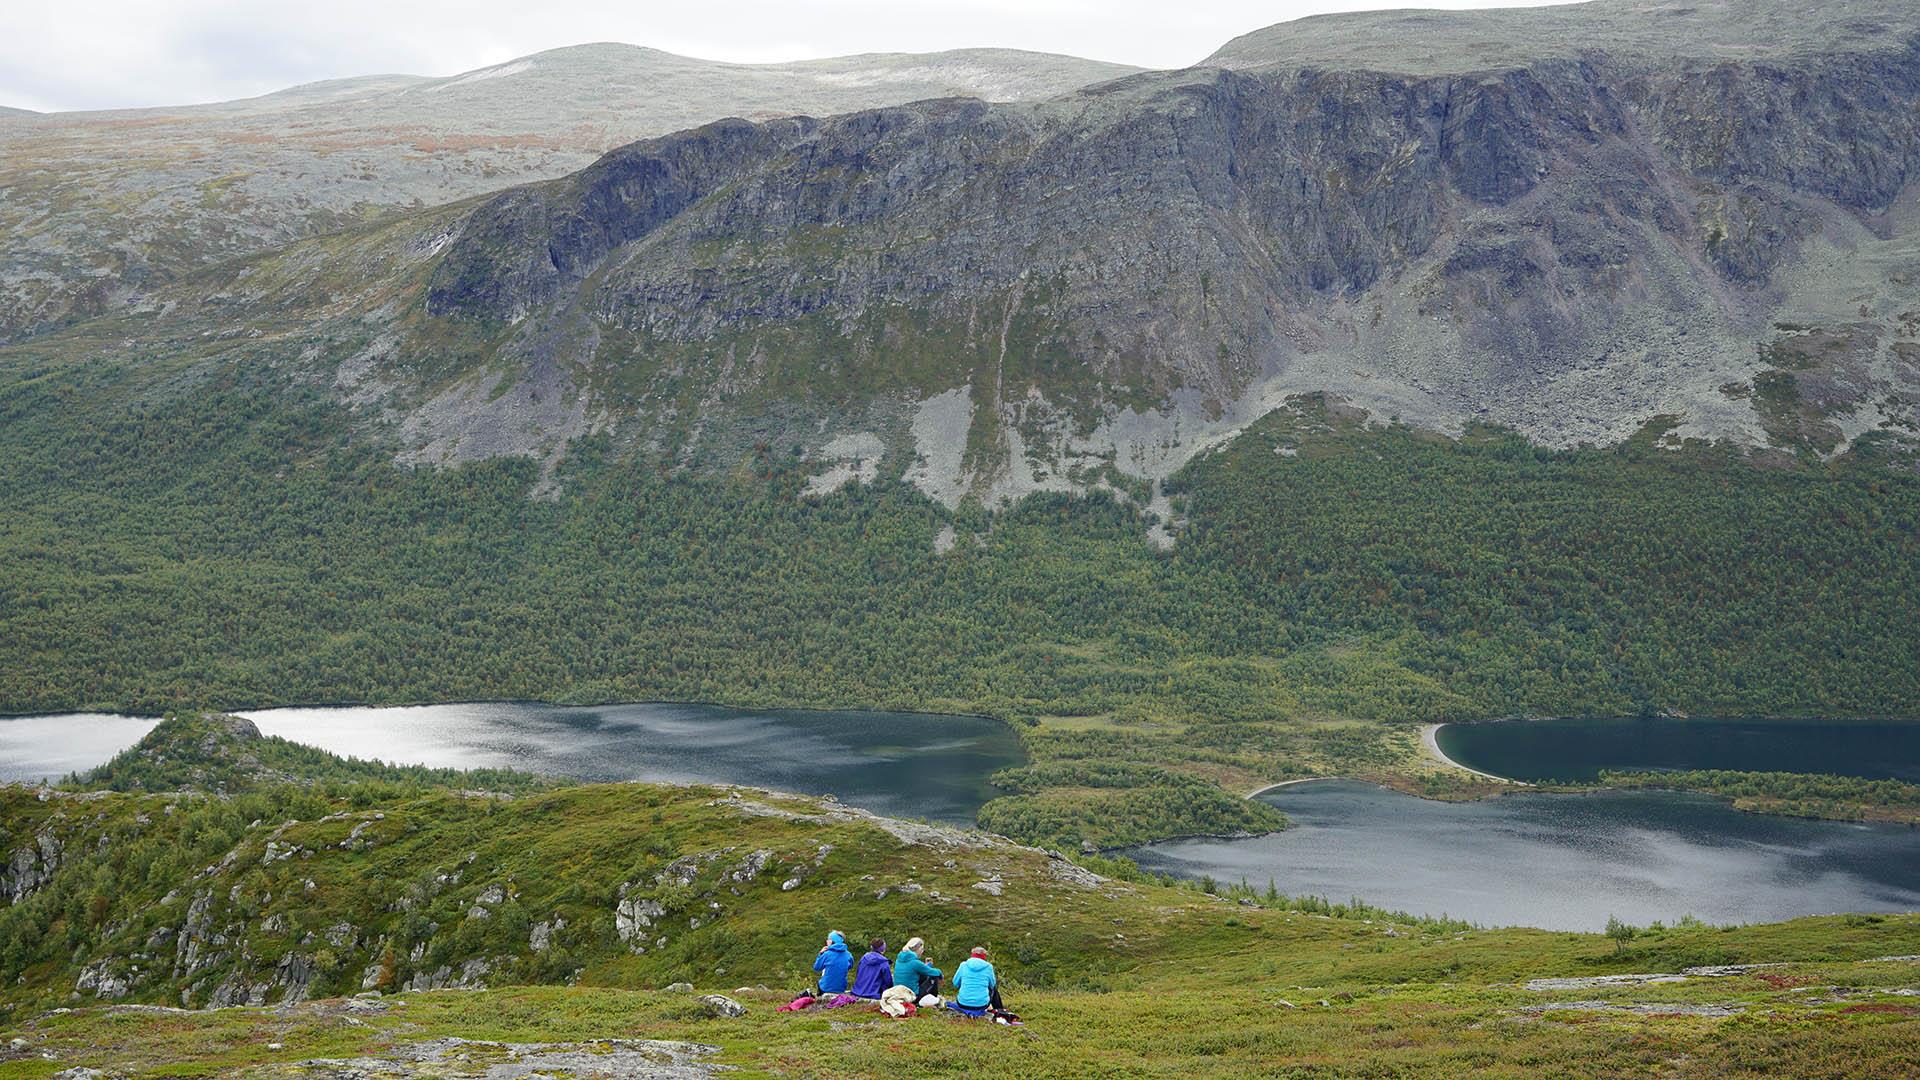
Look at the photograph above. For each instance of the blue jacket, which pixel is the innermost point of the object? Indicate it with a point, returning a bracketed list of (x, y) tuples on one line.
[(833, 964), (973, 983), (874, 976), (909, 969)]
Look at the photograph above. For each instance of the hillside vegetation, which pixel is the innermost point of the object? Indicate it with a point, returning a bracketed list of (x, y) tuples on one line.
[(1333, 585), (579, 905)]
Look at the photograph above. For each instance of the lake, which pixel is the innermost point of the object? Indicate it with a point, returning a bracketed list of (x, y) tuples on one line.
[(1570, 749), (1564, 862), (901, 764), (1558, 861)]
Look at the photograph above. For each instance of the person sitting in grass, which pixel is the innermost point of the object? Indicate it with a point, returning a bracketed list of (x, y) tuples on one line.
[(875, 973), (975, 986), (914, 973), (832, 964)]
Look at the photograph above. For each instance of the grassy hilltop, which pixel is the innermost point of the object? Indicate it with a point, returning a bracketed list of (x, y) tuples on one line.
[(284, 890)]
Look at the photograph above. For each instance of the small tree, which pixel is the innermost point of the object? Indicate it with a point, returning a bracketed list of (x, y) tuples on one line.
[(1620, 933), (387, 976)]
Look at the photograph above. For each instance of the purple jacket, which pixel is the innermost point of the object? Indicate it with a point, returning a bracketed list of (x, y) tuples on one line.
[(874, 976)]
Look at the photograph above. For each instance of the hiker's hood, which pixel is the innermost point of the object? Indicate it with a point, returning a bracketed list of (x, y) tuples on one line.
[(836, 943)]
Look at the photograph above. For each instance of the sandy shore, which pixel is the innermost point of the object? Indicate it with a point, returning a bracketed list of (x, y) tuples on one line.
[(1288, 783), (1432, 745), (1427, 741)]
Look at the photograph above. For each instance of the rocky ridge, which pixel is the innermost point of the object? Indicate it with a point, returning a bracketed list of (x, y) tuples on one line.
[(101, 207), (1084, 292)]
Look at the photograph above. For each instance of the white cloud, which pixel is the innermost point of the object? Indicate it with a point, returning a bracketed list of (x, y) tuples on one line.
[(81, 54)]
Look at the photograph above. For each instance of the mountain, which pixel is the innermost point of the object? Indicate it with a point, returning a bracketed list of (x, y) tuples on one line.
[(882, 409), (1020, 297), (1649, 33), (1084, 291), (103, 205)]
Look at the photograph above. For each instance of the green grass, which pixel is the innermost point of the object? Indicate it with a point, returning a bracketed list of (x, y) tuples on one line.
[(1123, 976), (1208, 1015)]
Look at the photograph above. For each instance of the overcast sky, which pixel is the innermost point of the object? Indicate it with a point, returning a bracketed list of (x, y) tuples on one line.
[(93, 54)]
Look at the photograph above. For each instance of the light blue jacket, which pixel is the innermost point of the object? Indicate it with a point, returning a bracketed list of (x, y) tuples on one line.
[(833, 964), (909, 969), (973, 983)]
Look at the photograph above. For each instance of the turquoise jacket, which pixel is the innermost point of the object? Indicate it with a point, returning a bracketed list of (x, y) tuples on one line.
[(833, 964), (973, 983), (908, 969)]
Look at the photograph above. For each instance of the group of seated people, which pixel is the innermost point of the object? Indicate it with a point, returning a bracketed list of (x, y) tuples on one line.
[(976, 989)]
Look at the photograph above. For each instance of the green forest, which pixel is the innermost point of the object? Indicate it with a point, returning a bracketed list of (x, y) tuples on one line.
[(232, 546), (1813, 795)]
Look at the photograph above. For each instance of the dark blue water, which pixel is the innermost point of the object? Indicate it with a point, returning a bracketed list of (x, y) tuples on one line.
[(1564, 862), (900, 764), (1580, 749)]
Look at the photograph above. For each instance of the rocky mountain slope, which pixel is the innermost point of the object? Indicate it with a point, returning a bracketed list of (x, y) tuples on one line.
[(98, 206), (1023, 297), (1650, 32), (1704, 212)]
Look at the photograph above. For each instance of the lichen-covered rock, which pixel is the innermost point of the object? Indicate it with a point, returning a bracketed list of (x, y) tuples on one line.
[(750, 867), (633, 915), (30, 866), (293, 975), (101, 980), (469, 976), (720, 1005), (540, 937)]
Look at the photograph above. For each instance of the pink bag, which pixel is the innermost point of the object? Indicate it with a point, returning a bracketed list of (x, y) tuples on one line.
[(797, 1004)]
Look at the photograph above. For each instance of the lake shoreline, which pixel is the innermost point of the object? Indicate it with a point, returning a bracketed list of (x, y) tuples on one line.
[(537, 702), (932, 766), (1430, 742), (1353, 836)]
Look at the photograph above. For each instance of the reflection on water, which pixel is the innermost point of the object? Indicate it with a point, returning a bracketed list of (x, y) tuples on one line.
[(1578, 749), (50, 747), (1564, 862), (892, 763)]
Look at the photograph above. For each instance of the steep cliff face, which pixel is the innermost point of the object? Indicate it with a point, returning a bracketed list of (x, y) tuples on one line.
[(102, 207), (1567, 221), (1090, 289)]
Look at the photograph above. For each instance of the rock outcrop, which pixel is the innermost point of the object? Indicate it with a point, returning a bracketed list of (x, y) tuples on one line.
[(1087, 291), (1566, 221), (30, 866), (104, 206)]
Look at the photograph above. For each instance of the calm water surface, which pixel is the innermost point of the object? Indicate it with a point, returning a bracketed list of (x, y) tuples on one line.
[(892, 763), (1565, 862), (1579, 749), (1558, 861), (49, 747)]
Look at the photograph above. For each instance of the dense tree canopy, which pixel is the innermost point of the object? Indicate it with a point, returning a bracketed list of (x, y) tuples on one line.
[(231, 547)]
